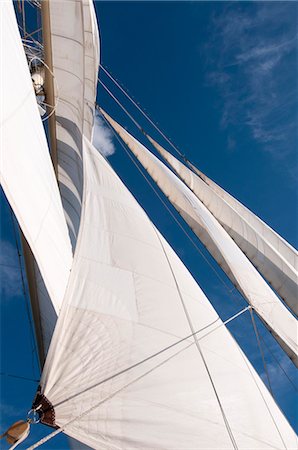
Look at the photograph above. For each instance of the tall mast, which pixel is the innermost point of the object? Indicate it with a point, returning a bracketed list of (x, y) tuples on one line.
[(49, 82)]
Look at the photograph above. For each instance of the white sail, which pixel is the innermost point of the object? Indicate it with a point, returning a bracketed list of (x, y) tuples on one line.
[(285, 249), (225, 251), (27, 174), (130, 297), (276, 260), (75, 54)]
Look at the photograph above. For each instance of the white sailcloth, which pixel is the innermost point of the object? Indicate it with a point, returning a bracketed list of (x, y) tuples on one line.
[(27, 174), (285, 249), (276, 260), (129, 297), (75, 52), (225, 251)]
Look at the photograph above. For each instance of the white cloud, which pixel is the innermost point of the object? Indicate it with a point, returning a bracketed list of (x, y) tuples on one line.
[(253, 64), (103, 137)]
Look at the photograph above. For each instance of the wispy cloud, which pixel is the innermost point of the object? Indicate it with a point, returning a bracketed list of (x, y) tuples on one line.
[(103, 137), (10, 278), (252, 60)]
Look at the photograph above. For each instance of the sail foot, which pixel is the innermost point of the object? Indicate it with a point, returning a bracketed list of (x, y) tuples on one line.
[(44, 408)]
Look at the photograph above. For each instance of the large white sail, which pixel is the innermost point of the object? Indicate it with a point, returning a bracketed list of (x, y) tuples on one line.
[(276, 260), (129, 298), (75, 55), (225, 251), (27, 174)]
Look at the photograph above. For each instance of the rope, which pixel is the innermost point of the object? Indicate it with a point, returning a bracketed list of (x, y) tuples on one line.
[(277, 361), (18, 376), (261, 351), (121, 106), (32, 335), (141, 111), (88, 411), (263, 398)]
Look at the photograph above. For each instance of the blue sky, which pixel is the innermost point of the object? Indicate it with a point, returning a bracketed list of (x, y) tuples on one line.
[(220, 79)]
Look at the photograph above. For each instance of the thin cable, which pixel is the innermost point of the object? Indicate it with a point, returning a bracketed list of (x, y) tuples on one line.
[(263, 398), (261, 351), (142, 112), (18, 376), (32, 336), (277, 361), (154, 355), (121, 106), (88, 411)]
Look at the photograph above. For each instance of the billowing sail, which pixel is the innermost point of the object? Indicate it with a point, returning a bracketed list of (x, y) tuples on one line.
[(224, 250), (27, 174), (285, 249), (276, 260), (125, 369), (75, 55)]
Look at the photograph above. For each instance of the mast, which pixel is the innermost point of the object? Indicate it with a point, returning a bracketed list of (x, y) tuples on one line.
[(49, 82)]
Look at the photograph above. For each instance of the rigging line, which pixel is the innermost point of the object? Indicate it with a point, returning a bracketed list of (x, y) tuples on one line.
[(169, 210), (18, 376), (148, 358), (141, 111), (277, 361), (32, 336), (263, 398), (261, 351), (24, 19), (88, 411), (121, 106)]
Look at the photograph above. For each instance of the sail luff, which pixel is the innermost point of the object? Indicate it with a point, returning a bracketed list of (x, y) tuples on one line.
[(220, 245), (252, 235)]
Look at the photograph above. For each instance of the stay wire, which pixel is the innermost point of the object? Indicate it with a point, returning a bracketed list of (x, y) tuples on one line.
[(9, 375), (120, 104), (32, 335), (278, 362), (261, 351), (124, 91)]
